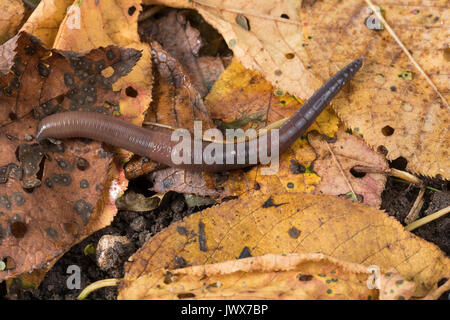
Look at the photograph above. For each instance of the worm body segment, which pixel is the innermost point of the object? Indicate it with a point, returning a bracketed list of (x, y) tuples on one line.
[(158, 145)]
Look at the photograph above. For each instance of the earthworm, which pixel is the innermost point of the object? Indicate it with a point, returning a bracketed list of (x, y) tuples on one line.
[(158, 145)]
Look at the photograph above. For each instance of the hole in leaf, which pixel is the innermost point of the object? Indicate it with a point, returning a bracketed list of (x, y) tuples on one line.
[(18, 229), (400, 163), (357, 174), (387, 131), (131, 10), (284, 16), (12, 116), (131, 92)]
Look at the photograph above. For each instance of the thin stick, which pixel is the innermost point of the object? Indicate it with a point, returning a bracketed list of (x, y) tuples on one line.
[(405, 50), (417, 206), (392, 172), (97, 285), (422, 221), (354, 197)]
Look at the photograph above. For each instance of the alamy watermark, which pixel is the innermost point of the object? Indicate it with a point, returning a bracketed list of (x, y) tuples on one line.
[(239, 147)]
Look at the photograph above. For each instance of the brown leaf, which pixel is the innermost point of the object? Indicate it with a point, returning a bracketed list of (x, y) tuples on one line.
[(263, 223), (48, 191), (349, 151)]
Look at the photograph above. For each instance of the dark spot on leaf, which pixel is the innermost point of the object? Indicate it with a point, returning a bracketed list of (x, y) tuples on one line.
[(182, 230), (110, 54), (290, 185), (52, 233), (83, 209), (393, 88), (296, 167), (202, 236), (243, 22), (65, 165), (256, 186), (18, 198), (179, 262), (48, 182), (289, 56), (294, 232), (43, 69), (382, 149), (84, 184), (186, 295), (278, 72), (304, 277), (61, 179), (269, 203), (18, 229), (329, 291), (5, 202), (245, 253), (284, 16), (69, 80)]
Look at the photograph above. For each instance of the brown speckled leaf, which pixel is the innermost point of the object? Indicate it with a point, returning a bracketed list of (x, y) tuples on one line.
[(48, 191), (262, 223), (312, 276)]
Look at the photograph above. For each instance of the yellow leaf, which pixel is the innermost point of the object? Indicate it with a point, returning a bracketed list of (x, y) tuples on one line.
[(294, 276), (261, 223)]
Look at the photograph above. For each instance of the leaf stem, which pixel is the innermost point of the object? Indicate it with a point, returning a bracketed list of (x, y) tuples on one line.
[(422, 221), (97, 285)]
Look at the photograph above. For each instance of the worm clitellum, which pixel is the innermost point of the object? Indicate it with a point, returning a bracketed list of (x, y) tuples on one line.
[(157, 144)]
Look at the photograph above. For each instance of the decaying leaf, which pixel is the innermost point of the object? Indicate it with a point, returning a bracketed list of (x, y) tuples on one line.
[(294, 276), (262, 223), (137, 202), (47, 190), (172, 179), (297, 45), (11, 15), (175, 33), (336, 170)]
